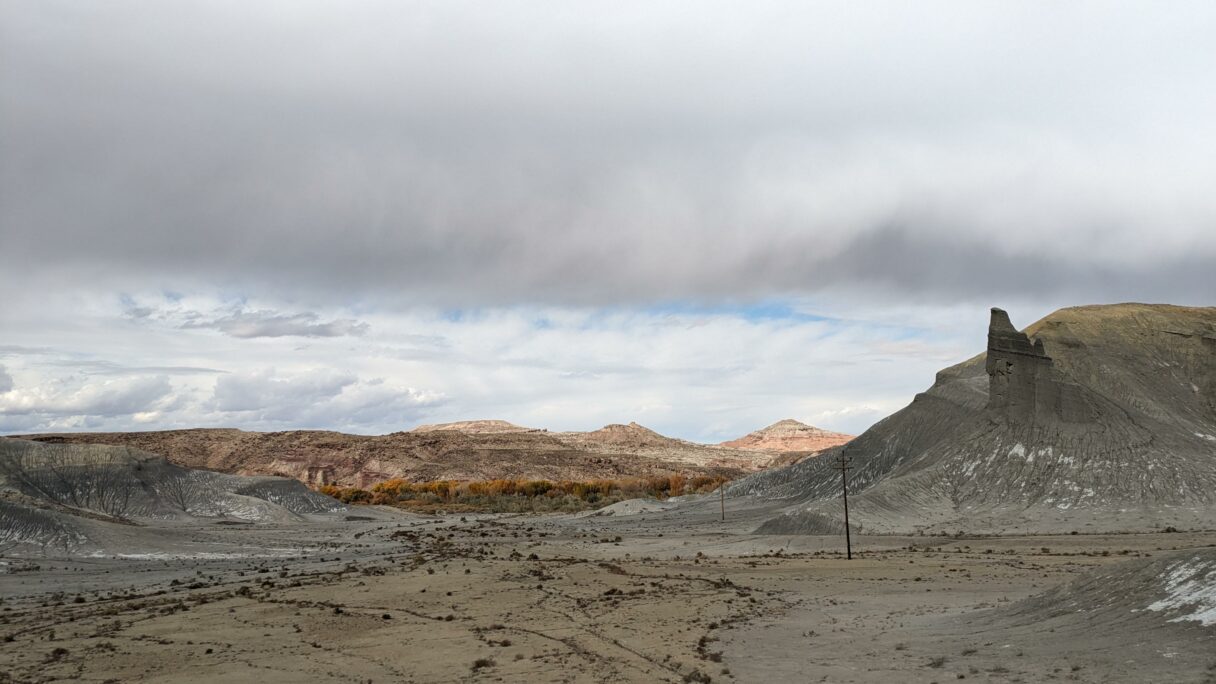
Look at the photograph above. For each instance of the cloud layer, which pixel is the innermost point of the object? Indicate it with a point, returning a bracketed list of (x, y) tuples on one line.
[(696, 215), (317, 397), (49, 403), (442, 154), (269, 324)]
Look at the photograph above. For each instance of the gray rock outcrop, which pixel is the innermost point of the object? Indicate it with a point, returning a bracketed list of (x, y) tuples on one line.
[(65, 496), (1092, 419)]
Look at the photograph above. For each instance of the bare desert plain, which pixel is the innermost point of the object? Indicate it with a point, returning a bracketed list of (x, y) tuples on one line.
[(391, 596), (388, 341)]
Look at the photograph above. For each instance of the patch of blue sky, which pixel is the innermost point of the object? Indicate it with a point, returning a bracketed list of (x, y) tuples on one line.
[(767, 310), (781, 311)]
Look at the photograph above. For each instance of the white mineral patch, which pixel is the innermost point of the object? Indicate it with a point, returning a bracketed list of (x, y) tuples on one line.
[(1190, 586)]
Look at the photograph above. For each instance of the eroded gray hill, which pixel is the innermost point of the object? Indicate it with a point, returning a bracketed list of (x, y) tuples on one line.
[(66, 497), (1099, 418)]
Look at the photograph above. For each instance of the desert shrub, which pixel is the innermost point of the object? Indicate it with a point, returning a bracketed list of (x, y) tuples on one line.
[(350, 495), (56, 655)]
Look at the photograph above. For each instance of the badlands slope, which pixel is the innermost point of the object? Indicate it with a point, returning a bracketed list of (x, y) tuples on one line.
[(70, 499), (1097, 418)]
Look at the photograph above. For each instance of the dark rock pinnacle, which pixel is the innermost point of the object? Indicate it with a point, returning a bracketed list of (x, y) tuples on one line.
[(1018, 369), (1023, 385)]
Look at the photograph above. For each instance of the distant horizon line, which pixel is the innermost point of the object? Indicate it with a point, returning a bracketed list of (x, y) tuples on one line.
[(414, 428)]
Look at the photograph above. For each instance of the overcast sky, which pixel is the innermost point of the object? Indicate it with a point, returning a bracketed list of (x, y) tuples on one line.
[(701, 216)]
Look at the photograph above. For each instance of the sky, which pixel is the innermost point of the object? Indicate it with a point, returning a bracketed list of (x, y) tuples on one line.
[(700, 216)]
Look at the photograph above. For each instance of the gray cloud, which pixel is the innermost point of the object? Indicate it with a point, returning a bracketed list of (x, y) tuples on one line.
[(442, 154), (247, 324), (102, 367), (6, 381), (265, 391), (319, 397), (968, 268), (78, 361), (116, 398), (20, 350)]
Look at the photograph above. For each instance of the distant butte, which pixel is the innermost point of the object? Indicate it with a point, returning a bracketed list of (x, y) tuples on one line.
[(789, 435), (477, 427)]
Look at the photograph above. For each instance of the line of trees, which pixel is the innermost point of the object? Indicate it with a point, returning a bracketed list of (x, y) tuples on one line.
[(525, 494)]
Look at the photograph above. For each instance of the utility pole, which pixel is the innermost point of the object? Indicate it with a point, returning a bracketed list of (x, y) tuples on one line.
[(845, 465), (722, 499)]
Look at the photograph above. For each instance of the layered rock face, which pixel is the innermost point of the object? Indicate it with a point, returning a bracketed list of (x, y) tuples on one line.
[(1023, 385), (472, 450), (1018, 371), (1093, 419)]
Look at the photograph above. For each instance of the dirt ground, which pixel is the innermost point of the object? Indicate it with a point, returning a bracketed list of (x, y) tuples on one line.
[(496, 598)]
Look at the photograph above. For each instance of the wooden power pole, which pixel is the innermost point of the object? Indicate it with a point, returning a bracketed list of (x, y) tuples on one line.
[(845, 465), (722, 499)]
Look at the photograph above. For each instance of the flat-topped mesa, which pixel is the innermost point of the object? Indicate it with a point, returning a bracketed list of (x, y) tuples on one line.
[(1018, 370)]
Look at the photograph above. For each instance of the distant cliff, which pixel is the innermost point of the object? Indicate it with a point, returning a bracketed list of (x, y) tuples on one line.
[(472, 450)]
